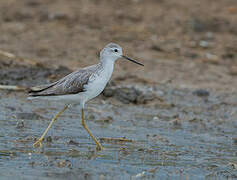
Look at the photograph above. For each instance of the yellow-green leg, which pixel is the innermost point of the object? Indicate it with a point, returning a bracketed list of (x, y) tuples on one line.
[(39, 141), (98, 145)]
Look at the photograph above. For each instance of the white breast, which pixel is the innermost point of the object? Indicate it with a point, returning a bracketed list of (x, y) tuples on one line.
[(98, 81)]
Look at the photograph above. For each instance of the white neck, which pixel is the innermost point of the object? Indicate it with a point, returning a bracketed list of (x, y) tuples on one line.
[(108, 59), (108, 65)]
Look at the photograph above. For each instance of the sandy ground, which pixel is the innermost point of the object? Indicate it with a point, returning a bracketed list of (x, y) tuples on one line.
[(191, 44), (180, 109)]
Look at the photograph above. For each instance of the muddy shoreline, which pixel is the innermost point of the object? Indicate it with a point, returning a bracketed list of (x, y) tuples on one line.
[(178, 113), (173, 132)]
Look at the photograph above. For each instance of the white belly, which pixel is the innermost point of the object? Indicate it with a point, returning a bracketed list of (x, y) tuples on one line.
[(95, 86)]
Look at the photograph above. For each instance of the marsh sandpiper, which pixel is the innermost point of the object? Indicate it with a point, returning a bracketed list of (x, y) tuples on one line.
[(81, 86)]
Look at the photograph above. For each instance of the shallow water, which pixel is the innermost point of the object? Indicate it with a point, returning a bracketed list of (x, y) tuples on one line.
[(183, 137)]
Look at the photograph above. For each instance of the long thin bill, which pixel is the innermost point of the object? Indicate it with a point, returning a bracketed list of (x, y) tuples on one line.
[(132, 60)]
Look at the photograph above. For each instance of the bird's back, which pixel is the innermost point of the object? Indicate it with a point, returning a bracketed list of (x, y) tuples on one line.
[(71, 84)]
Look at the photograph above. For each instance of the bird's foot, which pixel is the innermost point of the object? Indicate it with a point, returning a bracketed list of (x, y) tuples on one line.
[(99, 147), (38, 143)]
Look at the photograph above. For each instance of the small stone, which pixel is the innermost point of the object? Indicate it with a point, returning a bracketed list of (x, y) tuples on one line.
[(108, 92), (20, 124), (201, 93), (62, 163), (141, 149), (176, 122), (155, 118), (157, 48), (108, 119), (204, 44), (49, 139), (233, 165), (71, 142)]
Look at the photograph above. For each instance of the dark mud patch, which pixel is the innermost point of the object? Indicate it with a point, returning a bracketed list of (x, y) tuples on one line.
[(12, 73), (184, 135), (130, 94)]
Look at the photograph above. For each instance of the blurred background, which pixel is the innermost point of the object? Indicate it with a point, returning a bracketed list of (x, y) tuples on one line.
[(179, 111), (188, 43)]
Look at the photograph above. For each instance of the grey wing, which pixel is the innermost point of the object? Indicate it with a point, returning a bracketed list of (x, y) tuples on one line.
[(70, 84)]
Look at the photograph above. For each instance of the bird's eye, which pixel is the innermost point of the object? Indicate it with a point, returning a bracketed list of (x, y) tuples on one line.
[(115, 50)]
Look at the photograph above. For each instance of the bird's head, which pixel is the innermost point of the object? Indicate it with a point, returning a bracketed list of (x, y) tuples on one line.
[(112, 52)]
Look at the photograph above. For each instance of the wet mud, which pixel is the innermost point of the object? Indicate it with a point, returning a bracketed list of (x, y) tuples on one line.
[(26, 75), (176, 118), (178, 133)]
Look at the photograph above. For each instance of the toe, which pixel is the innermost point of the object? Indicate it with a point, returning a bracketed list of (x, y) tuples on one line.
[(99, 148)]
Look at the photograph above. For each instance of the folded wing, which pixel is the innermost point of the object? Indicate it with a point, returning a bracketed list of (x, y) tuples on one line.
[(71, 84)]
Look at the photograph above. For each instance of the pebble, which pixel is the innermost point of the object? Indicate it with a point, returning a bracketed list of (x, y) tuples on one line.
[(204, 44), (155, 118), (20, 124), (108, 119), (49, 139), (108, 92), (201, 93), (64, 163), (176, 122), (71, 142), (157, 48)]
